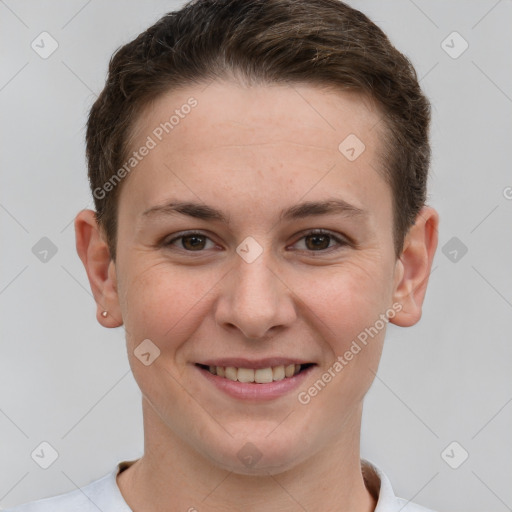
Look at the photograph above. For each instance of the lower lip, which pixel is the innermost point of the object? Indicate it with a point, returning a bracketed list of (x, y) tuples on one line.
[(254, 391)]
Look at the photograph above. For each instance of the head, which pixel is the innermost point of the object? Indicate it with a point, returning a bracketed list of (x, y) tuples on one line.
[(250, 109)]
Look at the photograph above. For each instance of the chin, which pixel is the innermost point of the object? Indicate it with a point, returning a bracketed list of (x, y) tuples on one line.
[(259, 457)]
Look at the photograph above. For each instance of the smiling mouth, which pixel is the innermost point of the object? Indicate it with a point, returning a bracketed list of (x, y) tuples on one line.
[(256, 376)]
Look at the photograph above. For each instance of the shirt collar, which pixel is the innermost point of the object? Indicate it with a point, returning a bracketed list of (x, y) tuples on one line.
[(379, 486)]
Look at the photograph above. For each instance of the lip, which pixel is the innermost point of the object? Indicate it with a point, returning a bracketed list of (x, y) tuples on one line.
[(251, 391), (240, 362)]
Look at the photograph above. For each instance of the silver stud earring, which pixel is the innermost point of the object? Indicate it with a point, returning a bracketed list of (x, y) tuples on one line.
[(104, 314)]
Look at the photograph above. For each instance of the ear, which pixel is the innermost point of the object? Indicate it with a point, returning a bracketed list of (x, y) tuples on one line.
[(412, 269), (95, 255)]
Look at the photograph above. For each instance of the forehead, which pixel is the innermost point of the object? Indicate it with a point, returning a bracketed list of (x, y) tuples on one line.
[(257, 142), (298, 113)]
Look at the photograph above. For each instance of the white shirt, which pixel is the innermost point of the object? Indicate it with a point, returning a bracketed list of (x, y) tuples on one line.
[(104, 494)]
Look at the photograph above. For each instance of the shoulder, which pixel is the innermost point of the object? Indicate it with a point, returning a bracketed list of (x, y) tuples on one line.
[(407, 506), (102, 494), (73, 500)]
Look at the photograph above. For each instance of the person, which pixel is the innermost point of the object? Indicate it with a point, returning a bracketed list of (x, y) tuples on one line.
[(259, 171)]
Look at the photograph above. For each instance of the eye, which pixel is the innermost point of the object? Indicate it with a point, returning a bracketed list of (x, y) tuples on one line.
[(191, 242), (318, 240)]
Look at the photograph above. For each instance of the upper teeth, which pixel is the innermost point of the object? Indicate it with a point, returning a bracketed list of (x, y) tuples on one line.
[(260, 375)]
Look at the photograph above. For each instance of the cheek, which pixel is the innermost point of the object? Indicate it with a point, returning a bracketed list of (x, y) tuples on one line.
[(354, 306), (346, 309), (346, 298), (164, 303)]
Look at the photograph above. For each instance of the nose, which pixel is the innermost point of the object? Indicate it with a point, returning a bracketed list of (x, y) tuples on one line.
[(255, 300)]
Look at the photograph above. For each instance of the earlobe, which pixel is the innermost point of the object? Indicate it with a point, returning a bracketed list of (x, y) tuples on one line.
[(414, 266), (95, 255)]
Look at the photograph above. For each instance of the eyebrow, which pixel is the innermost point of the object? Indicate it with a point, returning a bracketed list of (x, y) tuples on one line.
[(298, 211)]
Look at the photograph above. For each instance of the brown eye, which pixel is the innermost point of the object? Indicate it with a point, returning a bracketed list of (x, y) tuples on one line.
[(318, 241), (193, 242), (190, 242), (321, 241)]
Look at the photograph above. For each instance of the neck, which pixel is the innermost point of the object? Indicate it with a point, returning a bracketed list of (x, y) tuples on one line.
[(172, 472)]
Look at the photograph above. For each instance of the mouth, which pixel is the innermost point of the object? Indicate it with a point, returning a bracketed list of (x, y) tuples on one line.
[(257, 375), (254, 381)]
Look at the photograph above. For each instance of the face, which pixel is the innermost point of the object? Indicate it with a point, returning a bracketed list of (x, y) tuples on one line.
[(286, 259)]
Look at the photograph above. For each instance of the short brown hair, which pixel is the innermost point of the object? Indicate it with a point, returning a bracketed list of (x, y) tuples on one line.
[(318, 42)]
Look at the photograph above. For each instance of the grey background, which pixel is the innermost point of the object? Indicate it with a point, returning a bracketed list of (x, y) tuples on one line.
[(66, 380)]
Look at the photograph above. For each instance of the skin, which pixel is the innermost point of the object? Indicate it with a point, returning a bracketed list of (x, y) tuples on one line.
[(250, 152)]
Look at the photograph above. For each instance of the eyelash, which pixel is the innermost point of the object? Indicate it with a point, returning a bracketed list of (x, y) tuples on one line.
[(340, 241)]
